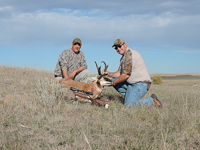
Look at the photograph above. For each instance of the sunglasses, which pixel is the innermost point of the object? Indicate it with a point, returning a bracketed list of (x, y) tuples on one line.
[(78, 44), (116, 47)]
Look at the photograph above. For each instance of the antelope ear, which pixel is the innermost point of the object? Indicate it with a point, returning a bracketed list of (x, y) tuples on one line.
[(93, 79)]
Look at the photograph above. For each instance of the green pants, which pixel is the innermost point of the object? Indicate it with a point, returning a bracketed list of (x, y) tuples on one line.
[(82, 76)]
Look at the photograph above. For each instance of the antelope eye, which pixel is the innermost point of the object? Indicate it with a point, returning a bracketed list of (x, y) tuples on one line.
[(100, 77)]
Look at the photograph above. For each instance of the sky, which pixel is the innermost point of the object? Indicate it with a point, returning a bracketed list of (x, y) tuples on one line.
[(33, 33)]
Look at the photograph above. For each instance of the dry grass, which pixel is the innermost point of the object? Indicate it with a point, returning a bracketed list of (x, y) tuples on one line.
[(36, 114)]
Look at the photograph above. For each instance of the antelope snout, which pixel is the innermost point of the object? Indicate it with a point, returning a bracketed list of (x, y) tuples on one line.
[(105, 83)]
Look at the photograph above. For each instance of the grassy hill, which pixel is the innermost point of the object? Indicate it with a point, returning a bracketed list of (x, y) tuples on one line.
[(37, 114)]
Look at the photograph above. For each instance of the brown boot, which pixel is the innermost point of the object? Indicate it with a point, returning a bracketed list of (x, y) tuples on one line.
[(157, 103)]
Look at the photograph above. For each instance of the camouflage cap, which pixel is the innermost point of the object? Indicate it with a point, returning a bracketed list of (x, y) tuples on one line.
[(77, 40), (118, 42)]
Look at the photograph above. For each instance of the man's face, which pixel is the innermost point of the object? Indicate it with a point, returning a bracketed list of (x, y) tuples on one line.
[(76, 47), (121, 49)]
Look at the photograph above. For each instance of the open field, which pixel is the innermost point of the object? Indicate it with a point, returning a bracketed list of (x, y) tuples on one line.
[(36, 114)]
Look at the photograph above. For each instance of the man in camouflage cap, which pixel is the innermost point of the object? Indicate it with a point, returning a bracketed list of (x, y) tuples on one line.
[(71, 64), (132, 79)]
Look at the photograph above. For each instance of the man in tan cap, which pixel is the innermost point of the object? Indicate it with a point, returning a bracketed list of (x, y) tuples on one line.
[(71, 64), (132, 79)]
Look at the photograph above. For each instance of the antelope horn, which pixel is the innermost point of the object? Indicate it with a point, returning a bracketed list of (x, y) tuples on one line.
[(105, 66), (98, 68)]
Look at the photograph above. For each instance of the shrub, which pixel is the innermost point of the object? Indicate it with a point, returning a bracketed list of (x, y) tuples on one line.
[(157, 80), (49, 93)]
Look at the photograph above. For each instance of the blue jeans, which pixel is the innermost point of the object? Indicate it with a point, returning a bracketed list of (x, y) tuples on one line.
[(133, 93)]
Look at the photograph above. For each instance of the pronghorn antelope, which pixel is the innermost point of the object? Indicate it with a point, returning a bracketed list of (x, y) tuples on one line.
[(95, 87)]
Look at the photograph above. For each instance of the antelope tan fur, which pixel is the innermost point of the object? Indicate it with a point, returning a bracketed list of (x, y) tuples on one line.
[(95, 87)]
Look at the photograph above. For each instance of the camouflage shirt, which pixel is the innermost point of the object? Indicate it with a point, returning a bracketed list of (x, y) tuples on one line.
[(126, 63), (70, 61)]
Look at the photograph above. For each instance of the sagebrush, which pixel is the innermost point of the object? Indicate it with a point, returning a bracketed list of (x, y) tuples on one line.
[(157, 80)]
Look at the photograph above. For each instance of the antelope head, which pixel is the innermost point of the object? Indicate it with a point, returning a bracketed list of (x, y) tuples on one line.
[(102, 79)]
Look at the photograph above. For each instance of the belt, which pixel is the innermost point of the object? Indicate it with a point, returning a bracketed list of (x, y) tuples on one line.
[(144, 82)]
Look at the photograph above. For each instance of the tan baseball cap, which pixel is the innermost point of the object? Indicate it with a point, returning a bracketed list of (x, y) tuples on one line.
[(77, 40), (118, 42)]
